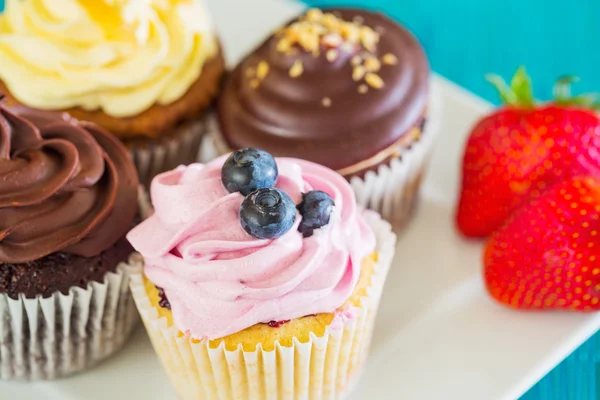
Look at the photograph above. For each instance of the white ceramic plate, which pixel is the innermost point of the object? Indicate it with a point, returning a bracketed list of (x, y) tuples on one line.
[(438, 334)]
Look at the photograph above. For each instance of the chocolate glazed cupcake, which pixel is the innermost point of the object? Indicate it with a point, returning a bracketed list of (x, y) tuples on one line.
[(68, 195), (145, 71), (344, 88)]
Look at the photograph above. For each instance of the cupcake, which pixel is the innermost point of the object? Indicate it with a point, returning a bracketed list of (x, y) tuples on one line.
[(344, 88), (261, 278), (144, 70), (68, 196)]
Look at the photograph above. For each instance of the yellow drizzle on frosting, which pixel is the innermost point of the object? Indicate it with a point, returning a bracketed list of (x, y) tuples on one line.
[(120, 56)]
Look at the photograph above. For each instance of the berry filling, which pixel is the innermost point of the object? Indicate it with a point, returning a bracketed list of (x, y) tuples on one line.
[(163, 302), (277, 324), (423, 124)]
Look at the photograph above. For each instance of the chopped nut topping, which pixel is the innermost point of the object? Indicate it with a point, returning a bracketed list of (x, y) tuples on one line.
[(356, 60), (332, 55), (369, 38), (350, 32), (297, 69), (314, 15), (389, 59), (317, 31), (374, 80), (317, 28), (254, 83), (308, 41), (331, 22), (326, 102), (348, 47), (372, 64), (332, 40), (362, 89), (358, 73), (262, 70), (284, 45)]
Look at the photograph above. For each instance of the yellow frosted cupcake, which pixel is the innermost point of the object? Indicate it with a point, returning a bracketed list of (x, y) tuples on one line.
[(261, 278), (144, 70)]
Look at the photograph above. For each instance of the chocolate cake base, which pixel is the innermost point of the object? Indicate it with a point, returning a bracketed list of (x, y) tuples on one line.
[(59, 272)]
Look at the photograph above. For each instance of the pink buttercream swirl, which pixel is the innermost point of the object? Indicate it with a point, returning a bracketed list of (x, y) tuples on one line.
[(220, 280)]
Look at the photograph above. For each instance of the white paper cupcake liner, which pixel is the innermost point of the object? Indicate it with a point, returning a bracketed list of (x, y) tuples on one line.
[(151, 157), (48, 338), (392, 190), (325, 367)]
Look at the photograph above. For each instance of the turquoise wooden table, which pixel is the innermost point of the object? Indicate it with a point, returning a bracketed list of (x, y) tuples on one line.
[(466, 39)]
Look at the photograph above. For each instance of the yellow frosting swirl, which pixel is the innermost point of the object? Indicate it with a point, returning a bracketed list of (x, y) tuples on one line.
[(121, 56)]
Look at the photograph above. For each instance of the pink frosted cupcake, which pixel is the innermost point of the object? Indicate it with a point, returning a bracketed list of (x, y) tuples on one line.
[(261, 277)]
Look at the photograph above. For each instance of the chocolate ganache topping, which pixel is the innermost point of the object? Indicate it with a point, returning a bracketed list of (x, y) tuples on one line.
[(65, 186), (336, 87)]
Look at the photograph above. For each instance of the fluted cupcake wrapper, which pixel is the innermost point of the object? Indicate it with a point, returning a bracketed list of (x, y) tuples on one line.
[(151, 157), (325, 367), (392, 190), (48, 338)]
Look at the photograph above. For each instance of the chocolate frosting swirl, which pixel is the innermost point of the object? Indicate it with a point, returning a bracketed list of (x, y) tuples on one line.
[(65, 186), (321, 115)]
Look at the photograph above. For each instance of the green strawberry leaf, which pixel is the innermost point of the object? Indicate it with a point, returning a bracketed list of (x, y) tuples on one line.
[(563, 96), (521, 86), (504, 91), (519, 93), (562, 88)]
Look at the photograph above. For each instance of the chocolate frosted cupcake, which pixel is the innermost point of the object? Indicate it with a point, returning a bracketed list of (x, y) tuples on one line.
[(261, 278), (68, 195), (344, 88), (145, 71)]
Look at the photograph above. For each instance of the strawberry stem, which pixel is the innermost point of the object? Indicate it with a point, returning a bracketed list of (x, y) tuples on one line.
[(519, 93), (563, 97)]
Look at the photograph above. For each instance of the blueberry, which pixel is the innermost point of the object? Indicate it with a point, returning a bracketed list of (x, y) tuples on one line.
[(316, 208), (247, 170), (267, 213)]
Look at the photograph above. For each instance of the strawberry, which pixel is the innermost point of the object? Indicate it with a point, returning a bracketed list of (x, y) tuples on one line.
[(547, 255), (521, 149)]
